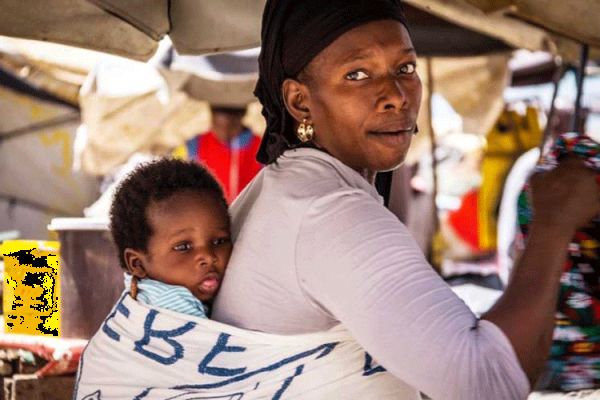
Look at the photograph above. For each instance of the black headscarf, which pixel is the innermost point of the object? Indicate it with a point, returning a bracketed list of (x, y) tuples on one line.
[(293, 33)]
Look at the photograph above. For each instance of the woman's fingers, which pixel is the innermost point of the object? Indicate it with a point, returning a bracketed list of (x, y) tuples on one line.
[(567, 196)]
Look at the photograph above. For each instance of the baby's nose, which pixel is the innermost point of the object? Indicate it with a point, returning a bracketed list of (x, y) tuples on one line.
[(206, 257)]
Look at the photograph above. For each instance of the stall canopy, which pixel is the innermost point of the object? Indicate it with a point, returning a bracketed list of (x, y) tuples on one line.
[(443, 30), (133, 28), (38, 122), (557, 27)]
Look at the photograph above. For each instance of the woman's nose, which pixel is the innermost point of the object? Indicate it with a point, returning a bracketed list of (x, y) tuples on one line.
[(392, 96)]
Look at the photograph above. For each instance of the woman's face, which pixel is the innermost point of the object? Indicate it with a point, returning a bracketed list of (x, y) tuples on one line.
[(363, 96)]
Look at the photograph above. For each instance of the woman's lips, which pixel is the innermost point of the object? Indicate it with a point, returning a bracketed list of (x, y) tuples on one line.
[(393, 138), (393, 126)]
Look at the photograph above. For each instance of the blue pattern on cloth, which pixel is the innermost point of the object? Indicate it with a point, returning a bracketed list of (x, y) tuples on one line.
[(143, 352), (171, 297)]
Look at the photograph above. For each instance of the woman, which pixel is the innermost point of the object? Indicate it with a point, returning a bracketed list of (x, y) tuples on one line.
[(314, 246)]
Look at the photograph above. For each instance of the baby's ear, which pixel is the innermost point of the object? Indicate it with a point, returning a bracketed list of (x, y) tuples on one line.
[(134, 260)]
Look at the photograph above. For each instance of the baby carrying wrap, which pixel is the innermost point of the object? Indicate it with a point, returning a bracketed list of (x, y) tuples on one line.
[(143, 352)]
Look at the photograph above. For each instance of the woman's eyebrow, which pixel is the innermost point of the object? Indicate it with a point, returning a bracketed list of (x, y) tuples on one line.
[(365, 54), (356, 56)]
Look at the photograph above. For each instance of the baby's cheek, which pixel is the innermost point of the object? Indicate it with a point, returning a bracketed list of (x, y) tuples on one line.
[(227, 254)]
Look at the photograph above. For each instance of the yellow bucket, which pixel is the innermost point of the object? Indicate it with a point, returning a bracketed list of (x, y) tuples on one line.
[(31, 287)]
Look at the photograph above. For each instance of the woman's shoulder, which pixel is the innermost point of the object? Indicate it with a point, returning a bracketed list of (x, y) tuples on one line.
[(303, 182), (310, 173)]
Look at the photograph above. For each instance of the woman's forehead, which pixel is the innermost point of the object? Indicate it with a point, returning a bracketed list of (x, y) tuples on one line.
[(365, 41)]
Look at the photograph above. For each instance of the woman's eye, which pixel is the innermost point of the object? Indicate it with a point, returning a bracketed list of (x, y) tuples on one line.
[(220, 241), (182, 247), (408, 69), (356, 75)]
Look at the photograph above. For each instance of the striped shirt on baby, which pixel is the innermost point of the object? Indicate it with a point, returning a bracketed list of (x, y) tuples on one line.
[(172, 297)]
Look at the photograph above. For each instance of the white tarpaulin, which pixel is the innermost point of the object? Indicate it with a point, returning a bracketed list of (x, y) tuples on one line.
[(472, 85), (129, 107), (36, 154), (133, 28), (545, 25)]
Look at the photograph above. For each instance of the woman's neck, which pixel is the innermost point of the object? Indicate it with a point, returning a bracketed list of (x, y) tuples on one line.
[(369, 175), (365, 173)]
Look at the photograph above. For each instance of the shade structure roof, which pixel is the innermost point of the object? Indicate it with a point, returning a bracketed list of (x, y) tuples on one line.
[(440, 27)]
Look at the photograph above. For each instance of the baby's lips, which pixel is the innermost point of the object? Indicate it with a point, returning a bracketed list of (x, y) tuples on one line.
[(210, 283)]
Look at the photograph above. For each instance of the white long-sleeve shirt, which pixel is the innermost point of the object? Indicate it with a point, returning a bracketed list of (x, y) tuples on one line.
[(315, 247)]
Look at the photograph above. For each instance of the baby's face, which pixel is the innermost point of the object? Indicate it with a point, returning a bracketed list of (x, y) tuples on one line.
[(190, 243)]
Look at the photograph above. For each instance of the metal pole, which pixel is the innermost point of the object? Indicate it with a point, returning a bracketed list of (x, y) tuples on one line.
[(556, 82), (585, 49), (433, 159)]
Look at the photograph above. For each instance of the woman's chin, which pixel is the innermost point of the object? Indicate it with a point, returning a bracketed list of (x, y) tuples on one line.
[(389, 163), (391, 168)]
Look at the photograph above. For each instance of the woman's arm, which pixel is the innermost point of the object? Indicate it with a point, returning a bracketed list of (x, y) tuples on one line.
[(356, 261), (563, 200)]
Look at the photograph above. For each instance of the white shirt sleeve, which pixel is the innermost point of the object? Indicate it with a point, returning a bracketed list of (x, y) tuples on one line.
[(356, 261)]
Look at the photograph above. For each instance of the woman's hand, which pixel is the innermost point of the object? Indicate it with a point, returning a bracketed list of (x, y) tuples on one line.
[(567, 197)]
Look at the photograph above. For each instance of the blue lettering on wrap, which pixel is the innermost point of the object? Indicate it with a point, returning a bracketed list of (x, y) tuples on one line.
[(287, 383), (165, 335), (320, 351), (370, 367), (221, 347), (120, 307)]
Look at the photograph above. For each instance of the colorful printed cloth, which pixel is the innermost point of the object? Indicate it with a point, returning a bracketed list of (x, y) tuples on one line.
[(574, 361)]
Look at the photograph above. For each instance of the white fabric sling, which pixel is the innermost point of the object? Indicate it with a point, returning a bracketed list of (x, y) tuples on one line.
[(142, 352)]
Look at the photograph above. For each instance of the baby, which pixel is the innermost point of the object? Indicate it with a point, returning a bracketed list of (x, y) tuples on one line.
[(170, 223)]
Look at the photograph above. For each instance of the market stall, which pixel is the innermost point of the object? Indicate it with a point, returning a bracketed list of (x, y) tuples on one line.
[(470, 70)]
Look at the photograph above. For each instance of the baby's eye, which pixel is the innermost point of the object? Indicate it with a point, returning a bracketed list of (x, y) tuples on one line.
[(408, 69), (220, 241), (182, 246), (356, 75)]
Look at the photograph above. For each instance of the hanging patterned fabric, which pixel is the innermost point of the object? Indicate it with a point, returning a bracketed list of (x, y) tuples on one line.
[(574, 362)]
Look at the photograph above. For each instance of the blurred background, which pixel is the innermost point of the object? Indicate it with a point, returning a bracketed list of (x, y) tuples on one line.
[(90, 89)]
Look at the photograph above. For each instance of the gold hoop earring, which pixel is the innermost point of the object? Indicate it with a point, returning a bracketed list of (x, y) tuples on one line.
[(305, 131), (133, 288)]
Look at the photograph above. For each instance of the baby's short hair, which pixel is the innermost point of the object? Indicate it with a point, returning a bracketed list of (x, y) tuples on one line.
[(151, 182)]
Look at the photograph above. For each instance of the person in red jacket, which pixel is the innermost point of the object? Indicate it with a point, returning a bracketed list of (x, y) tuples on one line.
[(228, 150)]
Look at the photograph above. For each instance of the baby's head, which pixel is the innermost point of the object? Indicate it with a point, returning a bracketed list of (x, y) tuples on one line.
[(170, 223)]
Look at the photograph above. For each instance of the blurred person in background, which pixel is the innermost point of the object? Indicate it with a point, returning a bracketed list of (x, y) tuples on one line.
[(228, 147), (228, 150)]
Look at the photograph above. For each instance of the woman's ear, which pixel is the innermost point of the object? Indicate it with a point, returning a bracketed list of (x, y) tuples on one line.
[(295, 97), (135, 263)]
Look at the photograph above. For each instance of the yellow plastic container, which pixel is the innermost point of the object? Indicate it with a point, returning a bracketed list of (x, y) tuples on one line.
[(31, 287), (513, 135)]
